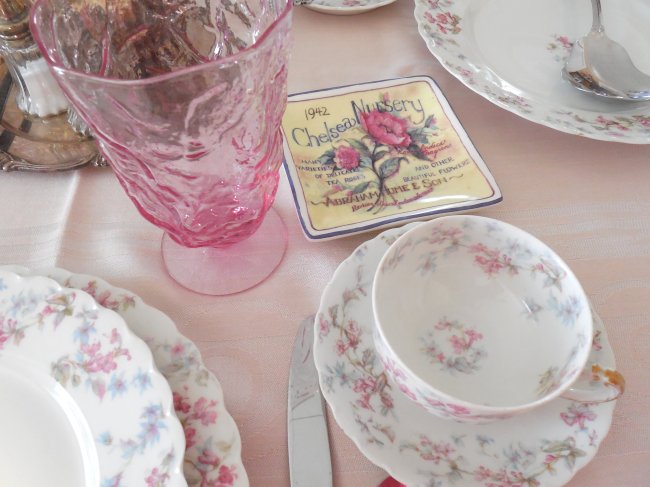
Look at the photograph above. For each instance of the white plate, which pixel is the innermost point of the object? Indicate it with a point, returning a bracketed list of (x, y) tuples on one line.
[(547, 446), (512, 52), (81, 401), (213, 454), (346, 7)]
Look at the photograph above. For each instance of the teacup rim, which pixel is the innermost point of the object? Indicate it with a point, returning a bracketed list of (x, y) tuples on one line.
[(584, 351)]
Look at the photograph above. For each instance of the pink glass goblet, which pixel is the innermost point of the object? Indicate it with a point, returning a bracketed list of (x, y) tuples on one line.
[(185, 100)]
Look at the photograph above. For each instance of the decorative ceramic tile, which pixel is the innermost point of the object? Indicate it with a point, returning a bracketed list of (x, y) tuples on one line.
[(379, 154)]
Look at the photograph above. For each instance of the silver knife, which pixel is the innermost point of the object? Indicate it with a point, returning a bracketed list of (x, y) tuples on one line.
[(309, 451)]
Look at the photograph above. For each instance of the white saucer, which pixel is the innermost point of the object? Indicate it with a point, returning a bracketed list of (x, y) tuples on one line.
[(78, 383), (512, 52), (213, 453), (547, 446), (346, 7)]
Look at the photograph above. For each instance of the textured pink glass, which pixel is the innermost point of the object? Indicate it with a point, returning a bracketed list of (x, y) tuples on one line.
[(185, 99)]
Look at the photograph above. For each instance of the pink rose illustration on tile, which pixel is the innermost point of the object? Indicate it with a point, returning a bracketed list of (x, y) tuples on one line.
[(385, 128), (385, 144)]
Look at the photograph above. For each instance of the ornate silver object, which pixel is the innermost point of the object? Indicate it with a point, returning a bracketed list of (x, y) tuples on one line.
[(39, 144), (38, 93)]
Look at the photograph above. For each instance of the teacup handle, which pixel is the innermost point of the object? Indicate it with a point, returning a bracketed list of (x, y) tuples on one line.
[(599, 381), (596, 384)]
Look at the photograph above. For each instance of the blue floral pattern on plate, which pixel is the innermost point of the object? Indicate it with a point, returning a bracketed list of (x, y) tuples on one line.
[(213, 444), (105, 369)]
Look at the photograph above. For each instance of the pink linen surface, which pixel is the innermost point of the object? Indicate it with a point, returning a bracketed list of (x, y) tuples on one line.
[(587, 199)]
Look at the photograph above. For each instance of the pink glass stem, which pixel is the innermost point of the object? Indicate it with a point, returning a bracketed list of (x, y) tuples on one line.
[(228, 270)]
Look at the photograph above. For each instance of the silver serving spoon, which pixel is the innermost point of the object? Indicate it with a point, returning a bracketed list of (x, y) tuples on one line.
[(603, 67)]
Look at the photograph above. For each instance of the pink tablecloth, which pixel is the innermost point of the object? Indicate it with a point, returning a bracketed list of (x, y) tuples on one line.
[(589, 200)]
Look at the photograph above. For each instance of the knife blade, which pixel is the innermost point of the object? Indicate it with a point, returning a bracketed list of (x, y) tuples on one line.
[(310, 464)]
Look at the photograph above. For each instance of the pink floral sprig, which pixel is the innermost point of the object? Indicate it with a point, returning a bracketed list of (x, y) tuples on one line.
[(202, 411), (9, 329), (492, 260), (157, 478), (580, 414), (445, 22), (350, 338), (369, 384)]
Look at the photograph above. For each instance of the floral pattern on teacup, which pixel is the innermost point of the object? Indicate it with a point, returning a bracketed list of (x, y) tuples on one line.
[(461, 351), (552, 378), (545, 447), (91, 353), (509, 258), (430, 401)]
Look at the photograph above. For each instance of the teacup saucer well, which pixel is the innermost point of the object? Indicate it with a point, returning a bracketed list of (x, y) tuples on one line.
[(543, 447)]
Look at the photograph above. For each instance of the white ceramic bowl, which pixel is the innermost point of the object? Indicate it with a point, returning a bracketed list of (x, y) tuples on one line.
[(477, 320)]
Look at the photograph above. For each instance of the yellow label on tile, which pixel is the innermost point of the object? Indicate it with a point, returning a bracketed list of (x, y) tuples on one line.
[(377, 153)]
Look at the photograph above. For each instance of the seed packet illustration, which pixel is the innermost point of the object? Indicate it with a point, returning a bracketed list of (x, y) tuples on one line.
[(379, 154)]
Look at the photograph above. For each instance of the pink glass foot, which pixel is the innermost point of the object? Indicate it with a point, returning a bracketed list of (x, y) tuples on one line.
[(229, 270)]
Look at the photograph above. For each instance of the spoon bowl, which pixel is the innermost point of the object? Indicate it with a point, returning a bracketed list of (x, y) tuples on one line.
[(601, 66)]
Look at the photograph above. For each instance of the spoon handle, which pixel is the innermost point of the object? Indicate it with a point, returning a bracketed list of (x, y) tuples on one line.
[(597, 25)]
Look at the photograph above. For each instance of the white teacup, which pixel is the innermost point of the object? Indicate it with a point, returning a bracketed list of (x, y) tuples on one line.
[(477, 320)]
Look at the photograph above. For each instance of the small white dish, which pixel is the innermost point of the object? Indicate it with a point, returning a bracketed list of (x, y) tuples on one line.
[(346, 7), (512, 52), (400, 155), (546, 446), (213, 444), (111, 411)]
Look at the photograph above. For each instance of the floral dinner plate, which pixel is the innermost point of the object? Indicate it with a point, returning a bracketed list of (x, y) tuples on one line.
[(512, 52), (213, 445), (345, 7), (543, 448), (75, 369)]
